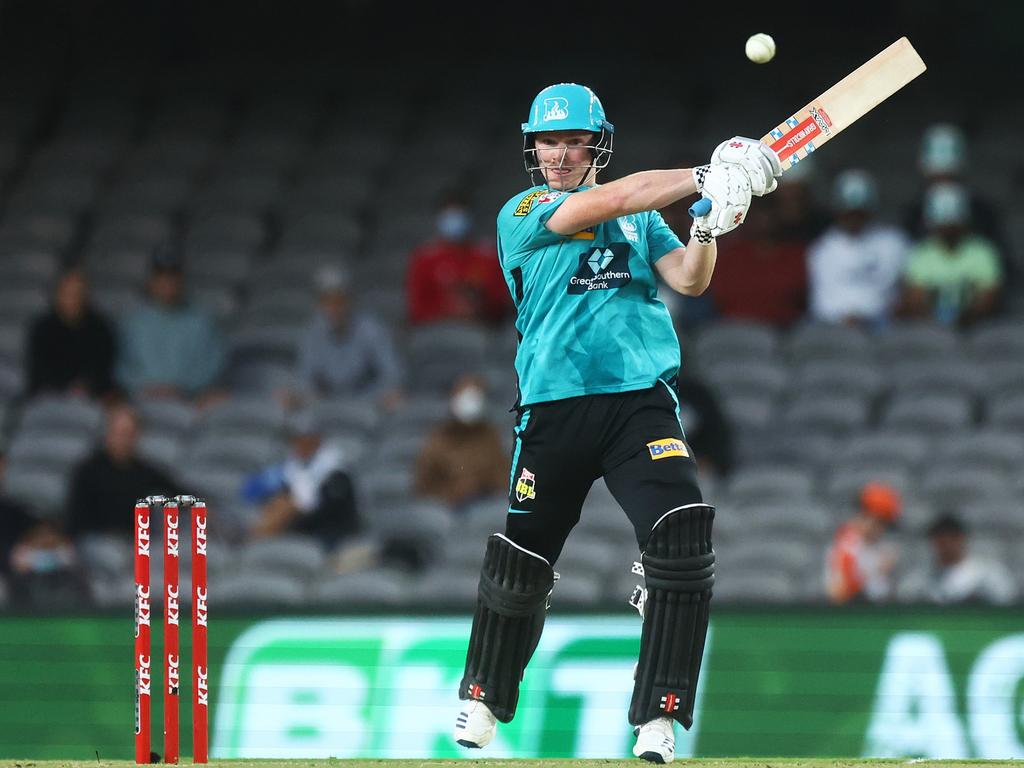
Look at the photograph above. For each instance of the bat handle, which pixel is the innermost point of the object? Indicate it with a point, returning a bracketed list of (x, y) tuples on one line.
[(701, 208)]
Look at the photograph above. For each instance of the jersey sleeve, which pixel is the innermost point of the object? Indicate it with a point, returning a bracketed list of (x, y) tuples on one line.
[(660, 239), (522, 224)]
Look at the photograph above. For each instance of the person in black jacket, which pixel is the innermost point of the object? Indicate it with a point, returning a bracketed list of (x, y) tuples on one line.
[(71, 346), (107, 483)]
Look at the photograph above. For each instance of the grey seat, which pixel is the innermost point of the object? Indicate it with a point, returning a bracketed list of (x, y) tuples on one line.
[(581, 589), (838, 377), (746, 378), (239, 452), (256, 588), (762, 484), (58, 451), (820, 342), (749, 411), (903, 450), (845, 483), (167, 415), (418, 415), (444, 587), (1003, 376), (826, 413), (223, 234), (346, 415), (244, 416), (737, 341), (54, 414), (41, 488), (376, 587), (937, 377), (951, 483), (106, 554), (1001, 450), (997, 341), (994, 514), (755, 588), (915, 341), (426, 521), (1006, 411), (927, 413), (602, 516), (293, 554), (801, 518), (789, 448), (398, 449)]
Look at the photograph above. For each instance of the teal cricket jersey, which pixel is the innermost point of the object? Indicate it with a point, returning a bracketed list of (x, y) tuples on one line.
[(588, 314)]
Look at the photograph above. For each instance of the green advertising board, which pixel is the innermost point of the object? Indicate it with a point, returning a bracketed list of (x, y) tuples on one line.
[(797, 683)]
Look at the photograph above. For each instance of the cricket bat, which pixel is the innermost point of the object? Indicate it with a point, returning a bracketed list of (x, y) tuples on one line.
[(806, 130)]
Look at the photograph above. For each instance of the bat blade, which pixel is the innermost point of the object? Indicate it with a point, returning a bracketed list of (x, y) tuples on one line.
[(844, 103)]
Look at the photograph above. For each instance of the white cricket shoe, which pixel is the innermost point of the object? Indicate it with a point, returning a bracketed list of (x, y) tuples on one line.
[(475, 726), (656, 741)]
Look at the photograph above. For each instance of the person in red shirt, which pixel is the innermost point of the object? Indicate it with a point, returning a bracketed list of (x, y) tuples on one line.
[(454, 277), (760, 276), (860, 563)]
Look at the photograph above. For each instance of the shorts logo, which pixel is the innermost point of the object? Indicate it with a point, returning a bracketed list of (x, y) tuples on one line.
[(526, 486), (526, 204), (601, 269), (555, 109), (670, 446)]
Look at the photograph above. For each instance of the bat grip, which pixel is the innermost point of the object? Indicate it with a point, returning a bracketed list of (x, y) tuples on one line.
[(701, 208)]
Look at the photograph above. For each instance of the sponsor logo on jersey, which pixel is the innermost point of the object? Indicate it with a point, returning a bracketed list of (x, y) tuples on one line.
[(549, 197), (526, 204), (526, 486), (601, 269), (669, 446), (556, 108)]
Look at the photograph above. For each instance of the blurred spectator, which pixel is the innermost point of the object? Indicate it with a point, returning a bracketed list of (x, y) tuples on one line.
[(759, 277), (798, 216), (71, 345), (38, 559), (309, 492), (954, 275), (113, 478), (860, 563), (943, 158), (463, 458), (707, 430), (855, 267), (344, 351), (454, 277), (169, 348), (956, 576)]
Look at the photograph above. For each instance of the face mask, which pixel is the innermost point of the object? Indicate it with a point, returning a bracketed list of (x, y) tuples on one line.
[(468, 405), (453, 224)]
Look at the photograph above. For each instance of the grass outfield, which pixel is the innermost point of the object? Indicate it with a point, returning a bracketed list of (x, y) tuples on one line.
[(764, 762)]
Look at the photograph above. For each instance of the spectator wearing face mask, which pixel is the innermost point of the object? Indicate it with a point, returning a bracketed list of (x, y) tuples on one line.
[(462, 458), (454, 277)]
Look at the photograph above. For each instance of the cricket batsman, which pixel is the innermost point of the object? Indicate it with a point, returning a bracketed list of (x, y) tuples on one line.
[(597, 363)]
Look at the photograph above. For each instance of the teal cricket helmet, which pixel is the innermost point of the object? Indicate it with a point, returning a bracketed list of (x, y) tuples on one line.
[(568, 107)]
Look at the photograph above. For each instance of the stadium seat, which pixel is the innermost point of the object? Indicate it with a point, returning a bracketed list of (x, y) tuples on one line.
[(821, 342), (292, 554), (745, 378), (826, 413), (1006, 411), (755, 588), (914, 341), (254, 587), (345, 415), (262, 417), (927, 413), (55, 450), (378, 587), (954, 484), (936, 377), (736, 341), (64, 415), (845, 483), (1000, 341), (1000, 449), (765, 484), (42, 489), (901, 450), (838, 377)]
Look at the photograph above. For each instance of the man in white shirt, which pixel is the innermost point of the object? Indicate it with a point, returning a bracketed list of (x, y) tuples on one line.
[(957, 576), (854, 268)]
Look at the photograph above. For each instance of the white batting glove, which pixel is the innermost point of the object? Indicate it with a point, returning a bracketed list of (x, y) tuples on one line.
[(759, 160), (728, 189)]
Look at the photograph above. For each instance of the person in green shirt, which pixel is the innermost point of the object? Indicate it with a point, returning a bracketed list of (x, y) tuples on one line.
[(953, 275)]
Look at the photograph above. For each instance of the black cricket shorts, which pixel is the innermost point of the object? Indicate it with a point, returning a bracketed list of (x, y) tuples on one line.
[(633, 439)]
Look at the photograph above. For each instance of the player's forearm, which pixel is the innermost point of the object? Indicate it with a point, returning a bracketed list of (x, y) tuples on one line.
[(690, 270), (652, 190)]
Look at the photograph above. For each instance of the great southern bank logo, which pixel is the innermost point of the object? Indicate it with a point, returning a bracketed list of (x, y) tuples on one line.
[(601, 269)]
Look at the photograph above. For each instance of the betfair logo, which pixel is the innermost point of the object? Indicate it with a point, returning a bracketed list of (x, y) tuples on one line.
[(670, 446), (600, 259)]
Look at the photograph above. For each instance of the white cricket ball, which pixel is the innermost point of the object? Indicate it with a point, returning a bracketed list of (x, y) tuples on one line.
[(760, 48)]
